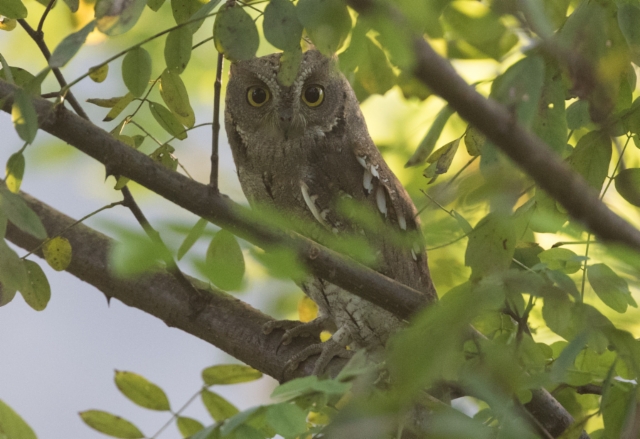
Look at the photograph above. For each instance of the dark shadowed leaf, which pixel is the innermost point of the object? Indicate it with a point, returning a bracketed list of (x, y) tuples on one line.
[(281, 25), (141, 391), (235, 34), (155, 5), (115, 17), (111, 425), (36, 292), (289, 65), (70, 46), (183, 10), (225, 261), (327, 23), (229, 374), (578, 115), (550, 123), (24, 79), (202, 12), (136, 70), (13, 273), (629, 22), (628, 185)]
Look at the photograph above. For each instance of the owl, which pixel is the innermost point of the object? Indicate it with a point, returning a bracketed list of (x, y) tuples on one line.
[(305, 151)]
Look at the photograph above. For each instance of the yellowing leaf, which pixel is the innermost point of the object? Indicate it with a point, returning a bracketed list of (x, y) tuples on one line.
[(628, 185), (307, 309), (188, 426), (111, 425), (175, 95), (12, 426), (8, 24), (229, 374), (15, 172), (141, 391), (37, 291), (57, 253), (99, 74)]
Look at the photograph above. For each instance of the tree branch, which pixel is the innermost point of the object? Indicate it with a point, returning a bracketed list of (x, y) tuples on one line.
[(498, 124), (120, 159)]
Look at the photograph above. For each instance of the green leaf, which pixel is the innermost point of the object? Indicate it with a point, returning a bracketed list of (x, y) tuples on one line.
[(235, 34), (288, 420), (491, 245), (188, 426), (561, 259), (141, 391), (289, 66), (24, 79), (591, 158), (167, 120), (578, 115), (610, 288), (136, 71), (194, 234), (225, 261), (567, 357), (111, 425), (17, 211), (442, 158), (106, 103), (36, 292), (201, 13), (629, 22), (12, 426), (119, 107), (627, 184), (281, 25), (550, 123), (70, 46), (175, 95), (557, 311), (13, 273), (177, 49), (24, 116), (135, 253), (13, 9), (429, 142), (307, 385), (72, 4), (99, 74), (374, 73), (218, 407), (229, 374), (155, 5), (57, 252), (474, 141), (184, 9), (477, 25), (15, 172), (327, 22), (618, 403), (115, 17)]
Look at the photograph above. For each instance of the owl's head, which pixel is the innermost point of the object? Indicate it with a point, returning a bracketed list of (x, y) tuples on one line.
[(261, 107)]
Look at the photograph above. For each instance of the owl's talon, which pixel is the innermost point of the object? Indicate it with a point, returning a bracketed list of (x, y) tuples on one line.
[(287, 325), (327, 350), (294, 328)]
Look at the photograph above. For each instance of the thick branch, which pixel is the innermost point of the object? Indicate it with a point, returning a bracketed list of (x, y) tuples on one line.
[(523, 147), (203, 201), (224, 321)]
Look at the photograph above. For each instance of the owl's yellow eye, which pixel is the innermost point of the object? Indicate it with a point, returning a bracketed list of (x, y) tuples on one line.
[(313, 95), (257, 96)]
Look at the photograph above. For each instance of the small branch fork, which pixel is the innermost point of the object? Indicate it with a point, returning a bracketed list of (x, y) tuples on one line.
[(128, 201)]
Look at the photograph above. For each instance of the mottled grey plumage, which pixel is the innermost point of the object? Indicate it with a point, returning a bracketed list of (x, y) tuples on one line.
[(303, 160)]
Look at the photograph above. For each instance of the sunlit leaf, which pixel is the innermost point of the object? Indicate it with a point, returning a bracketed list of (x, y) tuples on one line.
[(218, 407), (610, 288), (591, 158), (188, 426), (327, 23), (229, 374), (235, 34), (57, 252), (136, 71), (70, 46), (491, 245), (225, 261), (141, 391), (561, 259), (12, 426), (14, 172), (36, 292), (8, 24), (99, 74), (177, 49), (429, 142), (111, 425)]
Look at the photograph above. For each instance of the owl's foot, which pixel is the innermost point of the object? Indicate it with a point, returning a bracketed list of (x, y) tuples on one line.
[(294, 329), (327, 350)]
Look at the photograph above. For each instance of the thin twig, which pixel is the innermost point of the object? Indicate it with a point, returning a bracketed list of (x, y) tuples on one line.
[(217, 86), (44, 16)]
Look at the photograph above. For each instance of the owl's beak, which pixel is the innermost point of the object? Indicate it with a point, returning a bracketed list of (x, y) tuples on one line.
[(285, 116)]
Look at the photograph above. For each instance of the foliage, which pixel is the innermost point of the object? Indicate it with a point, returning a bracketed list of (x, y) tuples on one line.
[(565, 69)]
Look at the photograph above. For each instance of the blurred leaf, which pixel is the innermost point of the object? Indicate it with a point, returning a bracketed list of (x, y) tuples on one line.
[(13, 273), (8, 24), (442, 158), (17, 211), (116, 17), (15, 172), (12, 426), (308, 385), (141, 391), (567, 357), (188, 426), (629, 22), (155, 5), (557, 312), (429, 142), (235, 34), (13, 9), (578, 115), (111, 425), (202, 12), (281, 26), (610, 288), (561, 259), (550, 123), (618, 404), (628, 185), (136, 71), (474, 140), (24, 79), (591, 158), (491, 245), (117, 107), (327, 23), (194, 234), (99, 74), (135, 253), (546, 218), (24, 117), (72, 4), (70, 46), (229, 374), (225, 261), (289, 66), (36, 291), (288, 420), (282, 263), (177, 49), (218, 407), (57, 252), (175, 95), (183, 10), (167, 120)]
